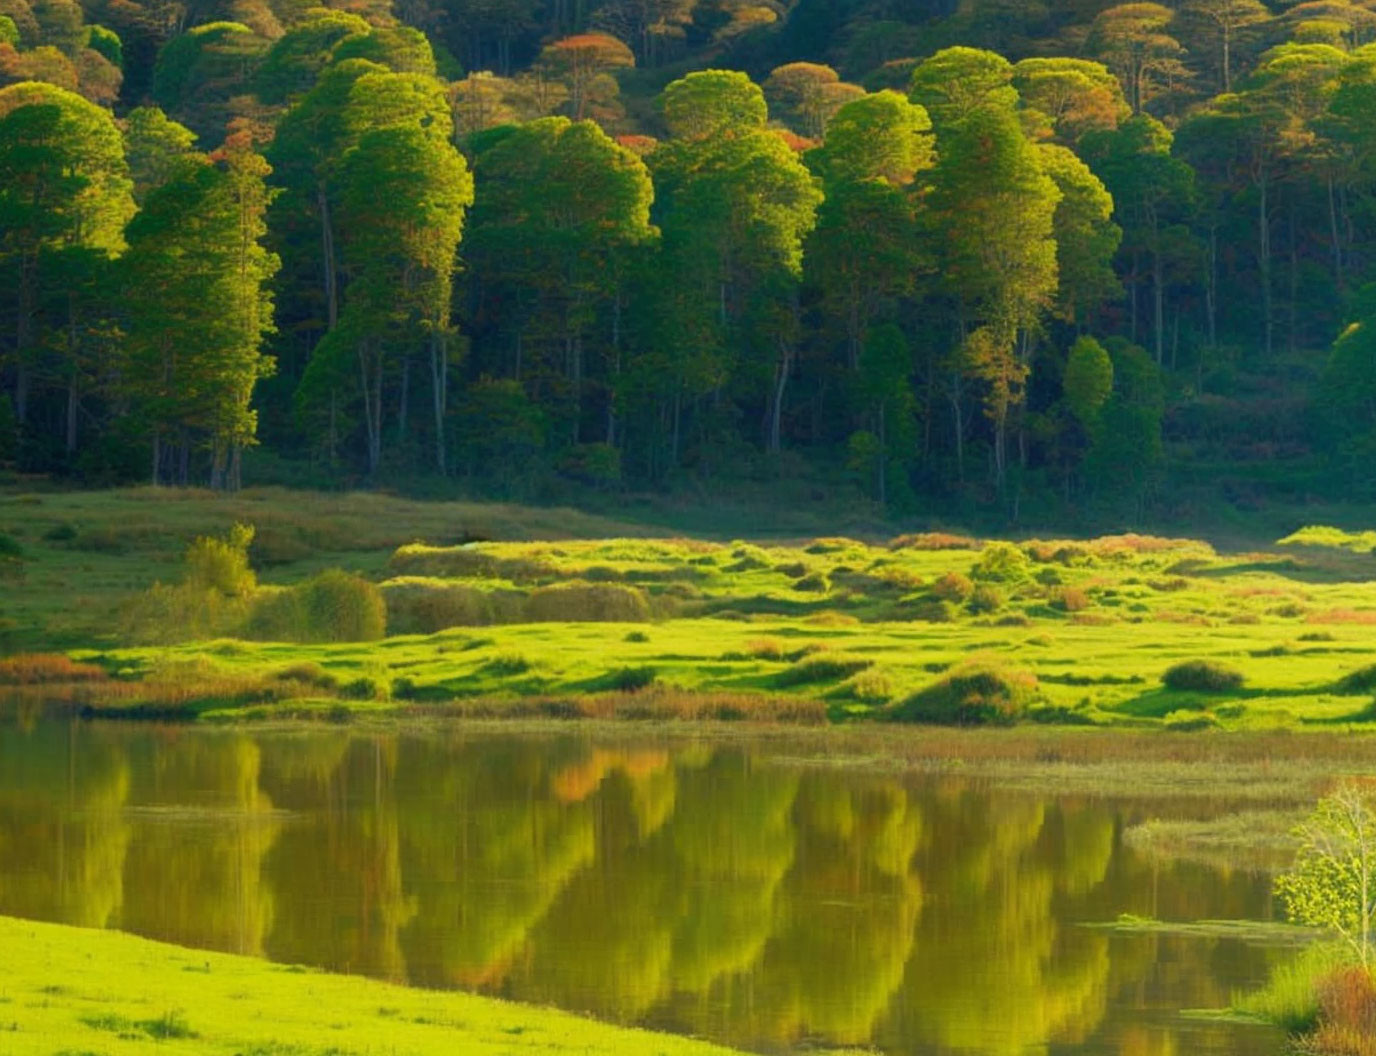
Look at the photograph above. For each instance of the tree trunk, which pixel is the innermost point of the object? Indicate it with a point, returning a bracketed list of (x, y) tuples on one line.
[(327, 253), (1264, 259), (1335, 236), (439, 388), (782, 369)]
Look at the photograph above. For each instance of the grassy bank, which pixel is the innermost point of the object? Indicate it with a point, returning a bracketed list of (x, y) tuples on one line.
[(73, 990), (501, 612)]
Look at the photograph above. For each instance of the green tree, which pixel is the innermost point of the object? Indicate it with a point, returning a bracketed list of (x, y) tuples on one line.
[(736, 205), (992, 207), (560, 207), (404, 193), (155, 146), (64, 193), (198, 308), (1135, 42), (1332, 884)]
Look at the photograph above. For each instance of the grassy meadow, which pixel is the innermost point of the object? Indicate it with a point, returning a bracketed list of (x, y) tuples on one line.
[(67, 989), (495, 611)]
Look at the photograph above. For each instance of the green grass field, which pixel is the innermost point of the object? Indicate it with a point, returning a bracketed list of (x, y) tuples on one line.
[(74, 990), (497, 611)]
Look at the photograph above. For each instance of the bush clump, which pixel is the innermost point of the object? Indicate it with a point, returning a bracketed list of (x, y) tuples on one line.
[(1071, 599), (978, 693), (334, 606), (420, 606), (1354, 683), (1203, 676), (953, 587), (822, 667), (813, 583), (222, 564), (985, 599), (1001, 563), (588, 603), (631, 679)]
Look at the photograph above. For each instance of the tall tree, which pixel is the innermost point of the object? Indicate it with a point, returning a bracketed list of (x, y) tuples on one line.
[(992, 208), (64, 189), (198, 308), (560, 206), (404, 191)]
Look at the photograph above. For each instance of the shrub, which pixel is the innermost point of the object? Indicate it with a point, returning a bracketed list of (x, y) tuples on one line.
[(822, 667), (637, 637), (222, 564), (933, 541), (814, 583), (765, 649), (953, 587), (418, 606), (588, 603), (507, 664), (631, 679), (308, 672), (977, 693), (1001, 563), (1347, 1014), (63, 532), (792, 569), (340, 607), (984, 599), (9, 547), (933, 611), (1363, 680), (333, 606), (30, 669), (1203, 676), (1071, 599), (871, 687)]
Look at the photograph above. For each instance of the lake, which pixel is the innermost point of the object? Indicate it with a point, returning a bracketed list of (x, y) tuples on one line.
[(716, 888)]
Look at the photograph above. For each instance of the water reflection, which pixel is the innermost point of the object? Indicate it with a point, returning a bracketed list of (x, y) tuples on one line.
[(696, 888)]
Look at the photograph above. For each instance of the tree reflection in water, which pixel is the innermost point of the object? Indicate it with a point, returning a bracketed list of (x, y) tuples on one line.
[(704, 889)]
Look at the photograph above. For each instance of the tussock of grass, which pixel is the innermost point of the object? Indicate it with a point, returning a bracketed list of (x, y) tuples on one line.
[(822, 667), (29, 669), (1290, 998), (1203, 676), (978, 693)]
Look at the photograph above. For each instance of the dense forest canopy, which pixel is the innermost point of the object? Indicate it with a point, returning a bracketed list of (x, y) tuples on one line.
[(990, 252)]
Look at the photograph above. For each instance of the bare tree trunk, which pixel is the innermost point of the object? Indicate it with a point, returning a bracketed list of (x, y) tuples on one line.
[(327, 253), (782, 369), (439, 388)]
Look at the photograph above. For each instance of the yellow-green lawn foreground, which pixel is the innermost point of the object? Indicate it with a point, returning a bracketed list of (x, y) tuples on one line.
[(75, 990)]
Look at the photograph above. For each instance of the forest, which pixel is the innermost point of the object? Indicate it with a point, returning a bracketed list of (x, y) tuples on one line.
[(1003, 255)]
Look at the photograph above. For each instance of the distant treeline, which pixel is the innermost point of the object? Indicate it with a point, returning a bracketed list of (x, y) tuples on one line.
[(959, 274)]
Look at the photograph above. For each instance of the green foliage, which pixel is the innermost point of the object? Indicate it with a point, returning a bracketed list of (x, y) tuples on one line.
[(1001, 562), (953, 587), (1088, 380), (822, 667), (1202, 676), (985, 599), (222, 564), (1333, 882), (104, 42), (978, 693), (588, 602)]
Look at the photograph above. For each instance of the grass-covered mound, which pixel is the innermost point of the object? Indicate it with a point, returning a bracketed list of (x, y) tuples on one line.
[(461, 622), (80, 991), (1203, 676), (979, 693)]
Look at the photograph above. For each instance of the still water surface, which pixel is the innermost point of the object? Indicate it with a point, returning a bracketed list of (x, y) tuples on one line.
[(702, 888)]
